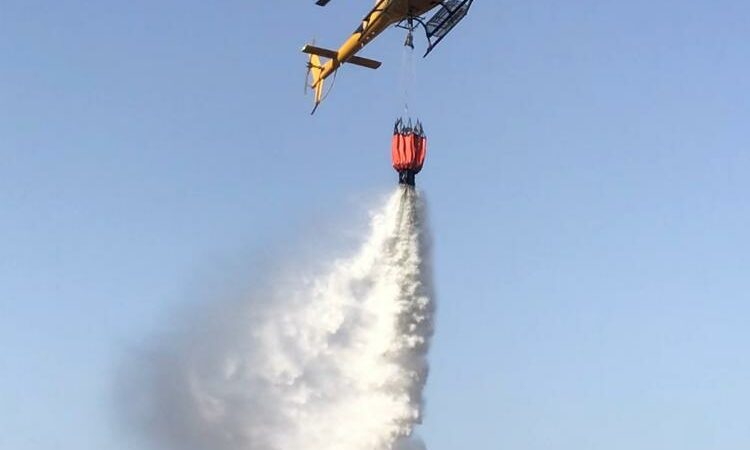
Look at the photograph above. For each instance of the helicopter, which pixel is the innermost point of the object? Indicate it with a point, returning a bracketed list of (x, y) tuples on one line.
[(406, 14)]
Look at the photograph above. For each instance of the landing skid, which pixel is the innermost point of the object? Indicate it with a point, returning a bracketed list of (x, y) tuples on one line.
[(439, 25)]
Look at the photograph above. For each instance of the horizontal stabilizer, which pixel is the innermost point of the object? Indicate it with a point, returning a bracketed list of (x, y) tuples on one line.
[(332, 54), (364, 62), (322, 2), (324, 52)]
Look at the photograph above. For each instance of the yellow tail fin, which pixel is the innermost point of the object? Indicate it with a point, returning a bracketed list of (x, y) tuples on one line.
[(316, 81)]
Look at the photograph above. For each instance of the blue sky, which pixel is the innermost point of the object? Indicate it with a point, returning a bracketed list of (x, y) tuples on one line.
[(587, 181)]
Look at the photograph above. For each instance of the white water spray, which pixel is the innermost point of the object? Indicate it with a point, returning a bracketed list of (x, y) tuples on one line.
[(336, 364)]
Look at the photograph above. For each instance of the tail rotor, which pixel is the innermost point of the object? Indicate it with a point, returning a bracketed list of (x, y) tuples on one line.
[(314, 79), (309, 72)]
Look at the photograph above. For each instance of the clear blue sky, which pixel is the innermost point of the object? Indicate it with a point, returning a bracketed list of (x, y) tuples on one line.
[(588, 186)]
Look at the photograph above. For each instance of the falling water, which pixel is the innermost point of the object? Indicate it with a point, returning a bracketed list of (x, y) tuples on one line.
[(335, 363)]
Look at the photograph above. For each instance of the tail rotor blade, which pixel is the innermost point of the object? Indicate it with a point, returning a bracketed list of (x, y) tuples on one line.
[(307, 79)]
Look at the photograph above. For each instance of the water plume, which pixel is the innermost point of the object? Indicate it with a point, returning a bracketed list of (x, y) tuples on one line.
[(336, 362)]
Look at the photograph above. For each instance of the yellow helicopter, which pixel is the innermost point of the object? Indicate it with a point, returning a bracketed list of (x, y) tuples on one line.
[(407, 14)]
